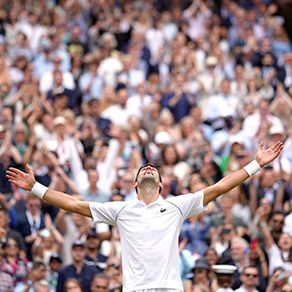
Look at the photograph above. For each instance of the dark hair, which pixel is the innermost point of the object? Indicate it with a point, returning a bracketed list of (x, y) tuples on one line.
[(277, 212), (145, 165), (101, 276), (164, 156), (38, 264), (5, 244), (74, 281)]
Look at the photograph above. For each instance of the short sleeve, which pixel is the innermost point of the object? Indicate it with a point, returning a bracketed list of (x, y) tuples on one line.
[(190, 204), (105, 212)]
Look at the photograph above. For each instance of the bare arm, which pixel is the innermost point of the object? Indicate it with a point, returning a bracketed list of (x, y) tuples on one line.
[(269, 241), (58, 199), (263, 157)]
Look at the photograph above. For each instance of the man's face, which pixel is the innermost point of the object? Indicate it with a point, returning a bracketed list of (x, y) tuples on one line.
[(40, 273), (78, 254), (148, 180), (92, 242), (237, 251), (277, 222), (148, 172), (4, 219), (250, 277), (34, 205), (99, 285)]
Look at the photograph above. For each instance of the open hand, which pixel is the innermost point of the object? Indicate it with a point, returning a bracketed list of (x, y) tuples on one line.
[(21, 179), (265, 156)]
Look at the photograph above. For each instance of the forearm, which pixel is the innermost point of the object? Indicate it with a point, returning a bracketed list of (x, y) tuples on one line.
[(264, 266), (267, 234), (230, 181), (271, 286), (61, 200), (16, 155), (57, 235), (224, 185)]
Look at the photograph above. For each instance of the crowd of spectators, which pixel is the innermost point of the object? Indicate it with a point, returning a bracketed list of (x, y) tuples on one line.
[(92, 89)]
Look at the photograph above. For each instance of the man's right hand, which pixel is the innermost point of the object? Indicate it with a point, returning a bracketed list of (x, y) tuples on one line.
[(21, 179)]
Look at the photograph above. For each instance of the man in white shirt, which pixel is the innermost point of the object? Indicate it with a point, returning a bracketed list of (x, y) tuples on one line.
[(252, 123), (118, 113), (149, 227)]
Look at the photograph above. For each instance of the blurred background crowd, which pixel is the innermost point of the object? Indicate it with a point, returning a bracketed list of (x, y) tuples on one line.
[(92, 89)]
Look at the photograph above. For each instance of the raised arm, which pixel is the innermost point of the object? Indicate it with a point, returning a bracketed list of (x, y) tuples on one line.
[(60, 200), (263, 157)]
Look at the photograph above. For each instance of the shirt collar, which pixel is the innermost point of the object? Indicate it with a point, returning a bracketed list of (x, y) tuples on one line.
[(158, 201)]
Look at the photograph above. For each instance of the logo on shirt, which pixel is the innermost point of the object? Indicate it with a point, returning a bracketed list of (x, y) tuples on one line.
[(162, 210)]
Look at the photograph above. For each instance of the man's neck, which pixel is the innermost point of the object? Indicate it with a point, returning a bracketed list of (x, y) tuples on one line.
[(93, 189), (148, 198), (248, 288), (78, 266), (92, 253)]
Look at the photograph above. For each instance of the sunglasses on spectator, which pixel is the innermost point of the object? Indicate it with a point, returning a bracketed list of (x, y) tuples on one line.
[(286, 290), (251, 275), (200, 271), (114, 266), (101, 287), (278, 221)]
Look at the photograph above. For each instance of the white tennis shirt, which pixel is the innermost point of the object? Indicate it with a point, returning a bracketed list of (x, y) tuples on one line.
[(149, 238)]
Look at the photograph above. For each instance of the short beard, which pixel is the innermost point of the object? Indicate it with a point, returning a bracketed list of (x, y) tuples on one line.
[(148, 185)]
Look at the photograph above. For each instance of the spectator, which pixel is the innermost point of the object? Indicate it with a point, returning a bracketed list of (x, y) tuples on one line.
[(114, 273), (55, 264), (224, 277), (47, 242), (94, 256), (91, 84), (93, 193), (78, 269), (100, 283), (279, 255), (236, 256), (58, 89), (38, 272), (30, 222), (249, 279), (200, 279), (72, 284), (7, 232), (13, 263), (41, 286)]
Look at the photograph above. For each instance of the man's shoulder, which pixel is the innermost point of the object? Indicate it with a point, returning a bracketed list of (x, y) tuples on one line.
[(117, 205), (183, 197), (67, 269)]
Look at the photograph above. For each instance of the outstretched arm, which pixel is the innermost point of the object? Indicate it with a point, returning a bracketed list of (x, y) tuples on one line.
[(263, 157), (60, 200)]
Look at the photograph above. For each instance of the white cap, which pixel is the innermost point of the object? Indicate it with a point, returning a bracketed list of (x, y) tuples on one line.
[(276, 129), (163, 138), (59, 121), (224, 269), (211, 61)]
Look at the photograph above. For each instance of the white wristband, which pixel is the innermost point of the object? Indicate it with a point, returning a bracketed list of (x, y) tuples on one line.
[(252, 168), (39, 190)]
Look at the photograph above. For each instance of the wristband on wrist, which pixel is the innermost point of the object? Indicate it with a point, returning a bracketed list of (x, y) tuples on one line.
[(252, 168), (39, 190)]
